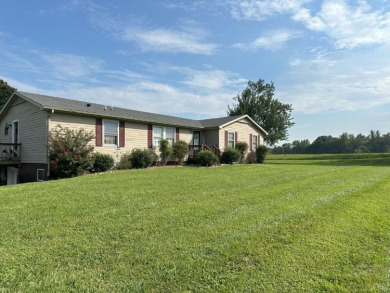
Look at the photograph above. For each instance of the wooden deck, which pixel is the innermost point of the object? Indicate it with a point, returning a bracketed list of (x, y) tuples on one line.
[(10, 153)]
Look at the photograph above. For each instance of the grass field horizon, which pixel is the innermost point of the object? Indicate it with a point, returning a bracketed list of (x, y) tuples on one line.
[(294, 224)]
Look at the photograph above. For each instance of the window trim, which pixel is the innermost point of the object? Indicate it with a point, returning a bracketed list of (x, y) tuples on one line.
[(104, 133), (234, 139), (255, 141), (43, 175), (14, 122)]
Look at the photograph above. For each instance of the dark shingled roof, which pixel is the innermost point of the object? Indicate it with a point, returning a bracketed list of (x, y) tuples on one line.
[(98, 110), (86, 108), (215, 122)]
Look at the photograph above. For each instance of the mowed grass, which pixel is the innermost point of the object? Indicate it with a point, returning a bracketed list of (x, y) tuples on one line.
[(294, 224)]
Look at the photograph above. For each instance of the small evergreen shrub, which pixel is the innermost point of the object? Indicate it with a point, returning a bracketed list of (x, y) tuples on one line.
[(241, 147), (261, 153), (180, 150), (206, 158), (230, 155), (251, 158), (103, 162), (166, 151), (124, 162), (140, 159)]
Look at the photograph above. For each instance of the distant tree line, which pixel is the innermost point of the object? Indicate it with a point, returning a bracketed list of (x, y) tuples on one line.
[(346, 143)]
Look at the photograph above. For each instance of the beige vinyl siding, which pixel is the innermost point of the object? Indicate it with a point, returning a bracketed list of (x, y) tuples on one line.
[(185, 135), (32, 131), (73, 122), (243, 128), (136, 134)]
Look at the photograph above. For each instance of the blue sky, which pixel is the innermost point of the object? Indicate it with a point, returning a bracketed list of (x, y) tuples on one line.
[(330, 59)]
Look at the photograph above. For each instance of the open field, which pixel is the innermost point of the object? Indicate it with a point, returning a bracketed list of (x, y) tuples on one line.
[(294, 224)]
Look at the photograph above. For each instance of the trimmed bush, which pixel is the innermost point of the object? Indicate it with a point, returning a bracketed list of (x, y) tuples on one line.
[(140, 159), (241, 147), (124, 162), (206, 158), (251, 158), (69, 152), (230, 155), (166, 151), (261, 153), (180, 150), (103, 162)]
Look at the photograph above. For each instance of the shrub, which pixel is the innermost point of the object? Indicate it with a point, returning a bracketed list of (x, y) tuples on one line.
[(166, 151), (251, 158), (206, 158), (261, 153), (69, 152), (230, 155), (124, 162), (241, 147), (180, 150), (103, 162), (140, 159)]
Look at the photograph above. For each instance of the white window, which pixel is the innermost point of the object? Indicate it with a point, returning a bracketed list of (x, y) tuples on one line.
[(255, 142), (110, 130), (158, 135), (231, 139), (170, 134), (160, 132), (40, 174)]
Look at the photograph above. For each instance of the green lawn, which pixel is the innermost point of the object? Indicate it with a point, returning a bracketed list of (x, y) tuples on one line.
[(294, 224)]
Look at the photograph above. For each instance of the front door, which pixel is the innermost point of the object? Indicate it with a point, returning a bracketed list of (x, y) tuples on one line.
[(195, 142)]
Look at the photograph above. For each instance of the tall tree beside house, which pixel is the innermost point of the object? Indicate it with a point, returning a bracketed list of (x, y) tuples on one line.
[(257, 100), (5, 92)]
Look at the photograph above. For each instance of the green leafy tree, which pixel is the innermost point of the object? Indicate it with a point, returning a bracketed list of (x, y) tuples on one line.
[(69, 152), (5, 92), (180, 150), (257, 100)]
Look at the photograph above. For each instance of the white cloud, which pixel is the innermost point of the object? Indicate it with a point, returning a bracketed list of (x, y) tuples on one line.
[(19, 85), (186, 37), (211, 80), (166, 40), (263, 9), (347, 26), (271, 40), (71, 66), (347, 81)]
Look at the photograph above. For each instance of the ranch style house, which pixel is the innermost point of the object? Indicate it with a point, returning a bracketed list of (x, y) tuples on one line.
[(26, 120)]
